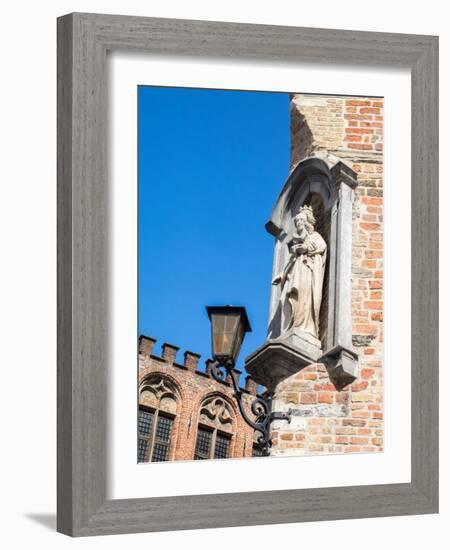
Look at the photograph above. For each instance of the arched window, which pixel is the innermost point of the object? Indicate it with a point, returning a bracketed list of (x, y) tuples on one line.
[(215, 429), (156, 418)]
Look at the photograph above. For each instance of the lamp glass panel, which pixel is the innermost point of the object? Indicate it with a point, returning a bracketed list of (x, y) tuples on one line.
[(239, 337), (224, 329)]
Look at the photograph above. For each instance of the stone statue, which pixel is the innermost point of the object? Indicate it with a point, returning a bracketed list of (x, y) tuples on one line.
[(302, 278)]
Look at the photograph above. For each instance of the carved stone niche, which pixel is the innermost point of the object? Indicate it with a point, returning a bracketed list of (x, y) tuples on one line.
[(217, 412), (159, 392), (329, 193)]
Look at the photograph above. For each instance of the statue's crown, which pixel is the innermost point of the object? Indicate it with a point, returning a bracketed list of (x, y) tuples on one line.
[(309, 213)]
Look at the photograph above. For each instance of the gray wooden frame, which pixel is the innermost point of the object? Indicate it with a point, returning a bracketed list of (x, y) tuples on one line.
[(83, 40)]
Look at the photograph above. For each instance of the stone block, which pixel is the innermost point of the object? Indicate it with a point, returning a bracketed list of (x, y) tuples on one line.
[(342, 365), (278, 359)]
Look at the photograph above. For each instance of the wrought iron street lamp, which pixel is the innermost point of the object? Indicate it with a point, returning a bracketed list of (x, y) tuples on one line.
[(229, 324)]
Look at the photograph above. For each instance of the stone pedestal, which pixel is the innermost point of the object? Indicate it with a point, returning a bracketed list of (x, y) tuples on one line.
[(303, 341), (279, 358)]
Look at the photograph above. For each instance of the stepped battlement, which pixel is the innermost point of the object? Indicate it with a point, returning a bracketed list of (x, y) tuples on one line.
[(191, 362)]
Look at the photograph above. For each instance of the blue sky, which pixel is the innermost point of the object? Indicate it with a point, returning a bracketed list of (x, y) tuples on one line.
[(211, 165)]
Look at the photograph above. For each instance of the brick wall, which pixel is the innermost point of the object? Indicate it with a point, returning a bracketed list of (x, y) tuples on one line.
[(326, 420), (350, 128), (192, 387)]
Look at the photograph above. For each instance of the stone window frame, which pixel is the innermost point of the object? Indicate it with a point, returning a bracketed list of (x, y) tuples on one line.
[(214, 426), (177, 395), (152, 436), (214, 431)]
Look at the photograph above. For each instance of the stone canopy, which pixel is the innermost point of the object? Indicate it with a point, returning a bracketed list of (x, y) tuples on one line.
[(330, 190)]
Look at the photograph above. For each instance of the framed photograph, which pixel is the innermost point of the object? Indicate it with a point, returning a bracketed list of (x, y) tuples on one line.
[(247, 274)]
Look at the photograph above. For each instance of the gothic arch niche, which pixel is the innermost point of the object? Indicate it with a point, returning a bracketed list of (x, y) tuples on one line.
[(309, 185), (159, 400), (215, 411), (215, 428), (159, 392), (323, 198)]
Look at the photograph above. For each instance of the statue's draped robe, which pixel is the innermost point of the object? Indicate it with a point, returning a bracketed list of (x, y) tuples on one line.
[(301, 294)]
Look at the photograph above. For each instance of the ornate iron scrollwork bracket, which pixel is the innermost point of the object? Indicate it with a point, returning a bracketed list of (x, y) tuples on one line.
[(261, 406)]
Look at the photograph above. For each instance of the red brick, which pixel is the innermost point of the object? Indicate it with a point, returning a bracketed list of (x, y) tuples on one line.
[(352, 138), (373, 305), (308, 397), (354, 422), (326, 397), (370, 110), (356, 117), (369, 264), (367, 373), (376, 201), (360, 414), (373, 285), (353, 130), (316, 448), (365, 329), (374, 254), (361, 146), (374, 210), (325, 387), (358, 102), (369, 226), (372, 124), (293, 397), (359, 386), (359, 440), (353, 449)]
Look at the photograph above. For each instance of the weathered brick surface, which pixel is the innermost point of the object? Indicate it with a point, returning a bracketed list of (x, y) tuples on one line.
[(326, 420), (192, 388)]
